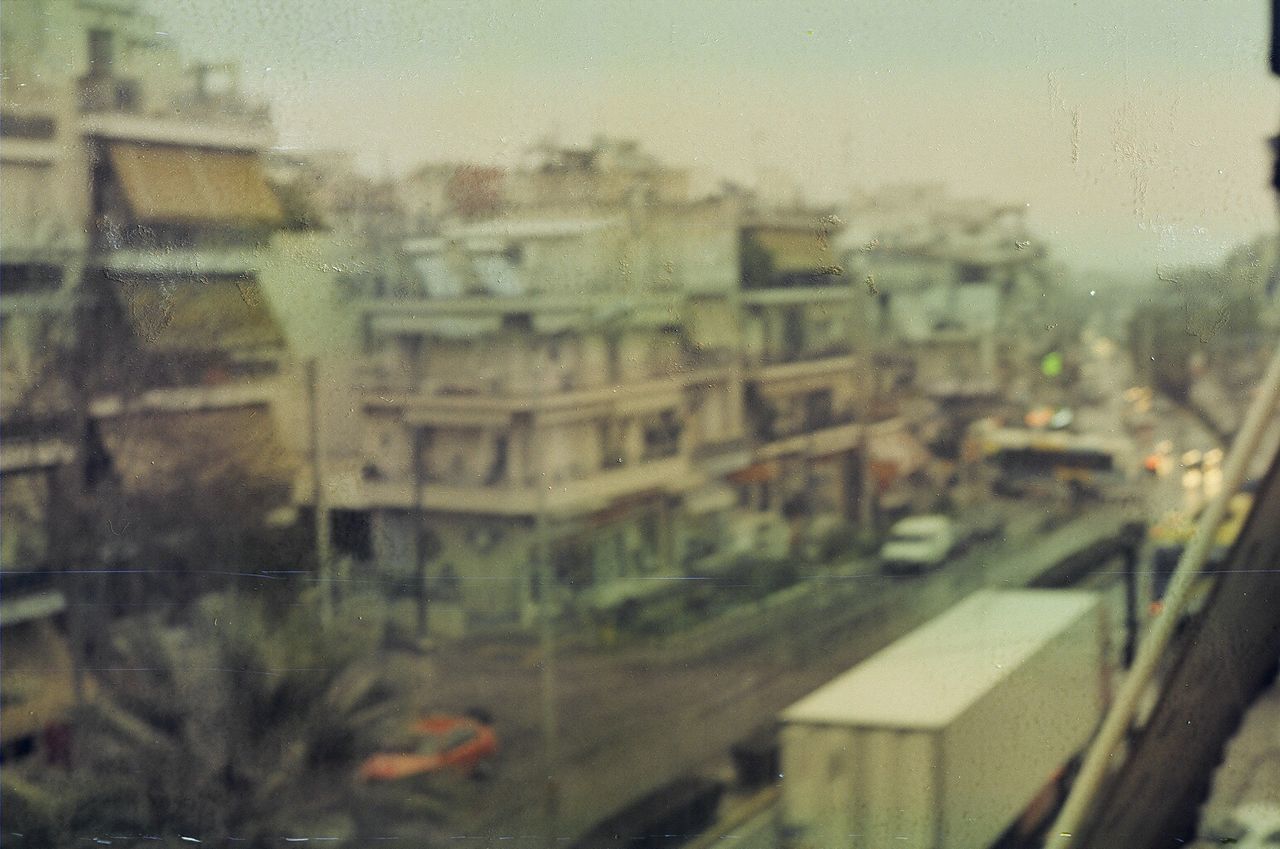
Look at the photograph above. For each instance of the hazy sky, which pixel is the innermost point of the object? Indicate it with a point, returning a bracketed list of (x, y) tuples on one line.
[(1135, 131)]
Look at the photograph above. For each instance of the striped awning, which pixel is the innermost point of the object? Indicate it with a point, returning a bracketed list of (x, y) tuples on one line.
[(167, 183)]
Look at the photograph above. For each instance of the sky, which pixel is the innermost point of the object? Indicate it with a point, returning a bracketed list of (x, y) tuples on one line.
[(1134, 132)]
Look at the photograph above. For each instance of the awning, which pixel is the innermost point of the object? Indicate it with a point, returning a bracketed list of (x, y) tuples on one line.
[(197, 313), (166, 183), (36, 679), (228, 451), (757, 473)]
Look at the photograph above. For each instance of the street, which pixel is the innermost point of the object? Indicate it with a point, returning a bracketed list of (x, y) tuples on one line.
[(635, 716), (628, 722)]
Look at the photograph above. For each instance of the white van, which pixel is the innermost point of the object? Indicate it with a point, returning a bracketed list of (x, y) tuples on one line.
[(918, 543)]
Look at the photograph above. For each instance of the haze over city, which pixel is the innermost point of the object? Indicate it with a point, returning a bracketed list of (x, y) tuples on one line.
[(1134, 133)]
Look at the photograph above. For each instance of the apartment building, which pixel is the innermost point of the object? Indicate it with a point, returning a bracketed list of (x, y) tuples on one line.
[(956, 284), (546, 377), (638, 385), (43, 248), (805, 390), (140, 354)]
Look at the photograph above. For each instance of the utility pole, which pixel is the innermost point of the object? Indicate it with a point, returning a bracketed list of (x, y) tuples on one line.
[(546, 634), (320, 510)]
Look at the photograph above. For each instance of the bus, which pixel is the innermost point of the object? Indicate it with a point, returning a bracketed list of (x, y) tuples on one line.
[(1025, 461)]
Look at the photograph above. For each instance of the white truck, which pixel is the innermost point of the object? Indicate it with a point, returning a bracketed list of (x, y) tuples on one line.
[(946, 738)]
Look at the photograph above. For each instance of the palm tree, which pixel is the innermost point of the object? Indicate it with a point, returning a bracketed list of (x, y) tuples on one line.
[(245, 724)]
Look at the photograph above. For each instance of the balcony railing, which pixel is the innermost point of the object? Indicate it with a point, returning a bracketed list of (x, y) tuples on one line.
[(104, 93), (113, 233), (766, 430), (580, 489), (387, 379), (801, 355), (813, 278)]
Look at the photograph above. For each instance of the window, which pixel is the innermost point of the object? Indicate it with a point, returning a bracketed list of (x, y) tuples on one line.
[(352, 533), (29, 278)]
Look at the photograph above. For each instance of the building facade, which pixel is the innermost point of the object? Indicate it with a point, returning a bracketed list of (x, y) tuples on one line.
[(140, 355), (606, 387)]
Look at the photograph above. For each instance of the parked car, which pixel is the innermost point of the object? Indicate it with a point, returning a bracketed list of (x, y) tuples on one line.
[(438, 743), (918, 543)]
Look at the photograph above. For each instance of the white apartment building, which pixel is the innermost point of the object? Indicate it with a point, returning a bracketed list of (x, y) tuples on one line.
[(955, 283), (558, 370), (650, 384)]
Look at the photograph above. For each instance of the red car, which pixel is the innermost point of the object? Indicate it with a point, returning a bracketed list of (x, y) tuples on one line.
[(438, 742)]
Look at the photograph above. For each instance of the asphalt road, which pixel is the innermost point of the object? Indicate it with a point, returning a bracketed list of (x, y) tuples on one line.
[(630, 720)]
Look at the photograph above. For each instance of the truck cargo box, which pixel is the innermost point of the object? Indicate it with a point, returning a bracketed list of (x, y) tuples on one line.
[(942, 739)]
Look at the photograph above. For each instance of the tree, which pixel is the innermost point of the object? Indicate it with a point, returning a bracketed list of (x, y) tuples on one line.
[(1195, 311), (242, 724)]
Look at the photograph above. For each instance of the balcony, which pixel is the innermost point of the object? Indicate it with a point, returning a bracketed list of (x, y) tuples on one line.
[(219, 261), (803, 355), (832, 286), (589, 492), (178, 397), (109, 94), (29, 137), (116, 108), (800, 373), (389, 386), (717, 459), (828, 439), (26, 454)]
